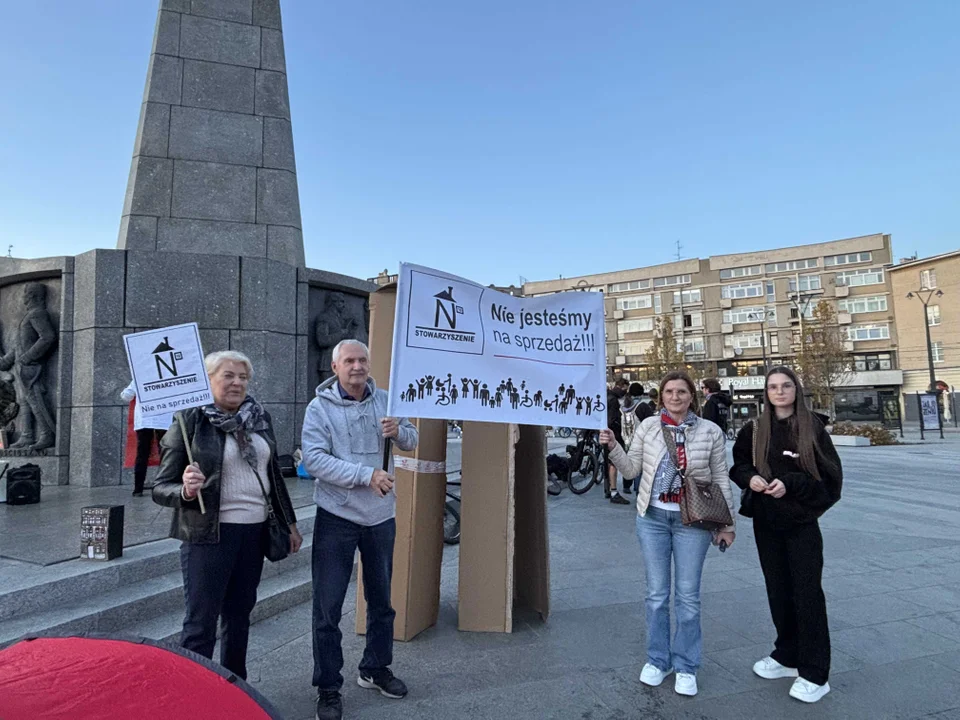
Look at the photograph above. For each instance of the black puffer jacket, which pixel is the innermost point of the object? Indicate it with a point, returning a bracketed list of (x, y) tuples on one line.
[(717, 409), (206, 443), (807, 498)]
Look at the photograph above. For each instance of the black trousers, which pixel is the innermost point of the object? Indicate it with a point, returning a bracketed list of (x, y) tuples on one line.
[(220, 581), (792, 563), (335, 541), (144, 446)]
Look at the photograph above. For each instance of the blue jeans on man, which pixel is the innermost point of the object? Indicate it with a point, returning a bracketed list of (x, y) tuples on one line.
[(335, 541), (663, 537)]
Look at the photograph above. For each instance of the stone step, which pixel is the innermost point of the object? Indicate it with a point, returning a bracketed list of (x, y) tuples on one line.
[(58, 585), (283, 584)]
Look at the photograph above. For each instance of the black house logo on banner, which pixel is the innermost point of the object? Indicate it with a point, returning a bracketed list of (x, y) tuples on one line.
[(166, 357), (444, 314), (447, 309)]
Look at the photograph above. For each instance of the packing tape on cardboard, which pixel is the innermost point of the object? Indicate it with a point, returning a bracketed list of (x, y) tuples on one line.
[(427, 467)]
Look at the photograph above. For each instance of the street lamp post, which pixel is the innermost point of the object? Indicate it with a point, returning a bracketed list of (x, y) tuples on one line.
[(925, 301)]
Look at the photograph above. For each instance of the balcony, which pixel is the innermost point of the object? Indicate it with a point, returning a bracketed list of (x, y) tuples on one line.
[(726, 303), (843, 291), (726, 328), (844, 318), (618, 314), (620, 360)]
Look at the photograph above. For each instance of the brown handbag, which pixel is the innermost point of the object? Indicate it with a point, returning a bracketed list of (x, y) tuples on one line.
[(702, 504)]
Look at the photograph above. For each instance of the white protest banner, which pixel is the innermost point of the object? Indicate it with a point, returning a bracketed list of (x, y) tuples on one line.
[(462, 351), (167, 369)]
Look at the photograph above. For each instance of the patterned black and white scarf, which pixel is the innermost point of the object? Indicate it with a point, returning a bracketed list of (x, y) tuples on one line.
[(248, 419), (668, 481)]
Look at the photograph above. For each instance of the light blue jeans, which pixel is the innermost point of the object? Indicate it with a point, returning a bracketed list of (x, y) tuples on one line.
[(662, 537)]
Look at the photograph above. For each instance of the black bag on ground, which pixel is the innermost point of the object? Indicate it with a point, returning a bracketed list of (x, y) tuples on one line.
[(557, 466), (23, 485)]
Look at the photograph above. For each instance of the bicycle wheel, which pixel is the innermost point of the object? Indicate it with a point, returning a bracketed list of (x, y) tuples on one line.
[(451, 524), (584, 477)]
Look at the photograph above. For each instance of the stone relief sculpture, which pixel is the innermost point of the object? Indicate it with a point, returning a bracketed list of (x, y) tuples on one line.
[(333, 324), (35, 341)]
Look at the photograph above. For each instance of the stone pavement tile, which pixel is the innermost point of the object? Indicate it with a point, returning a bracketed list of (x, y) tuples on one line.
[(946, 715), (277, 631), (724, 602), (838, 564), (718, 636), (556, 699), (947, 624), (906, 689), (858, 612), (949, 659), (720, 580), (890, 642), (601, 595), (752, 623), (941, 598), (912, 558), (562, 580)]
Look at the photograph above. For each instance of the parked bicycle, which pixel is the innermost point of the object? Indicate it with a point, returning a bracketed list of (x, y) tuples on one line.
[(451, 515), (583, 464)]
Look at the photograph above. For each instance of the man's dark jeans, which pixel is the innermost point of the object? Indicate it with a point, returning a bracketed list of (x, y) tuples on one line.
[(335, 542)]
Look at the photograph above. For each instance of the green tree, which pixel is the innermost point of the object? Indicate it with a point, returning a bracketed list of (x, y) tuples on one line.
[(823, 362), (664, 356)]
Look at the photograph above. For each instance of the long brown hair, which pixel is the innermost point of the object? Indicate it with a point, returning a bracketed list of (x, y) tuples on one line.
[(803, 425), (679, 375)]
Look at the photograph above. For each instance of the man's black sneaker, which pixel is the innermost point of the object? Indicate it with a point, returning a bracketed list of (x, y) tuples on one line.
[(626, 491), (329, 705), (384, 681), (619, 500)]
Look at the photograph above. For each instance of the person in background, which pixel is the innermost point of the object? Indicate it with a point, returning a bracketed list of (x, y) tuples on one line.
[(344, 434), (147, 430), (630, 404), (717, 407), (235, 468), (615, 425), (667, 447), (791, 474)]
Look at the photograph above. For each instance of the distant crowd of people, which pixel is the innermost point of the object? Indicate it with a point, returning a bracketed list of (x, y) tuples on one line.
[(220, 474)]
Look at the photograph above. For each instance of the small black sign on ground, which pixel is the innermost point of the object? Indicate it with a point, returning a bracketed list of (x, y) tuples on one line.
[(101, 532)]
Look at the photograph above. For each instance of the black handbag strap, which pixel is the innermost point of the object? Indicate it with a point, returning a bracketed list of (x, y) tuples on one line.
[(266, 497)]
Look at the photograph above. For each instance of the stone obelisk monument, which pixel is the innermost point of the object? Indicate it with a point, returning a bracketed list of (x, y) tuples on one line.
[(210, 233)]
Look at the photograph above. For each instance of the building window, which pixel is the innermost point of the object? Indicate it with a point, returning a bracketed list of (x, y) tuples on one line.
[(672, 280), (933, 315), (857, 278), (771, 291), (628, 286), (743, 341), (743, 315), (692, 346), (774, 342), (772, 315), (936, 349), (857, 305), (634, 302), (792, 265), (808, 310), (625, 327), (657, 304), (860, 333), (688, 320), (928, 279), (807, 283), (851, 259), (858, 406), (734, 273), (634, 348), (870, 362), (688, 297), (743, 290)]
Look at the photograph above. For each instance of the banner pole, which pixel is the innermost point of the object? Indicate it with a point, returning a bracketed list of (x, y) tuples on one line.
[(186, 444)]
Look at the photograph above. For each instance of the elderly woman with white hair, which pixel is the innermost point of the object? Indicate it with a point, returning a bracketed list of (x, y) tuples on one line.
[(236, 472)]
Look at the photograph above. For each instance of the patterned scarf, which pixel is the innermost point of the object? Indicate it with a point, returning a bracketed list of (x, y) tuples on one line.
[(248, 419), (668, 481)]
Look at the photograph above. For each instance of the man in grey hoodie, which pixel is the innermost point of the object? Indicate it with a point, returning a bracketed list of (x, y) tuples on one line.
[(344, 432)]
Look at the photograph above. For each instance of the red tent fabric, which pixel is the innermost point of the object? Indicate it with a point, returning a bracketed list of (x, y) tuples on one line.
[(130, 446), (97, 678)]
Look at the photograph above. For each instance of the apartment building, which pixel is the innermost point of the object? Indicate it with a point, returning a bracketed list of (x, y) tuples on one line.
[(934, 284), (728, 311)]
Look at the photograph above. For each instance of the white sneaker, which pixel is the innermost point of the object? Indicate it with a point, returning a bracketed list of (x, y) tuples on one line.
[(771, 670), (686, 684), (807, 692), (653, 676)]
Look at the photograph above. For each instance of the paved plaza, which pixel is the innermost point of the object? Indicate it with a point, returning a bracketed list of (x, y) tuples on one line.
[(892, 583)]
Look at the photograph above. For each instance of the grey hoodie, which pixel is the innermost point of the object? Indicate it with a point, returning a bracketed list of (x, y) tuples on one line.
[(343, 445)]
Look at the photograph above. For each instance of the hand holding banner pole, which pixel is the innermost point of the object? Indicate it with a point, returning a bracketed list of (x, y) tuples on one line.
[(186, 444)]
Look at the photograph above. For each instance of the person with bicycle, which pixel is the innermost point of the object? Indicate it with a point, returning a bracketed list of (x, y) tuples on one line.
[(668, 447), (615, 423)]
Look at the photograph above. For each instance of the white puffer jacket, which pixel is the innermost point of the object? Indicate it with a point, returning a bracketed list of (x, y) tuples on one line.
[(706, 458)]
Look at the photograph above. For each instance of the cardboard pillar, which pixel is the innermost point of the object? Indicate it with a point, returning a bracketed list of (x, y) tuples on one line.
[(418, 550), (504, 548)]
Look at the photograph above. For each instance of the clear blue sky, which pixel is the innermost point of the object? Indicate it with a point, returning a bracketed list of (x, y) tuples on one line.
[(497, 139)]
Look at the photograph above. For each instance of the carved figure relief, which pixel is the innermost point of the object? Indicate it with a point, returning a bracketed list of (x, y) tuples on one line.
[(36, 339), (337, 322)]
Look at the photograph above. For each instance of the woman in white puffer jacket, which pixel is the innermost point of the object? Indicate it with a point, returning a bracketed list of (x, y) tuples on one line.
[(664, 447)]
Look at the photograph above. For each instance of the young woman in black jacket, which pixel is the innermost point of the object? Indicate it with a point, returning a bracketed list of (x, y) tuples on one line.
[(790, 474)]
